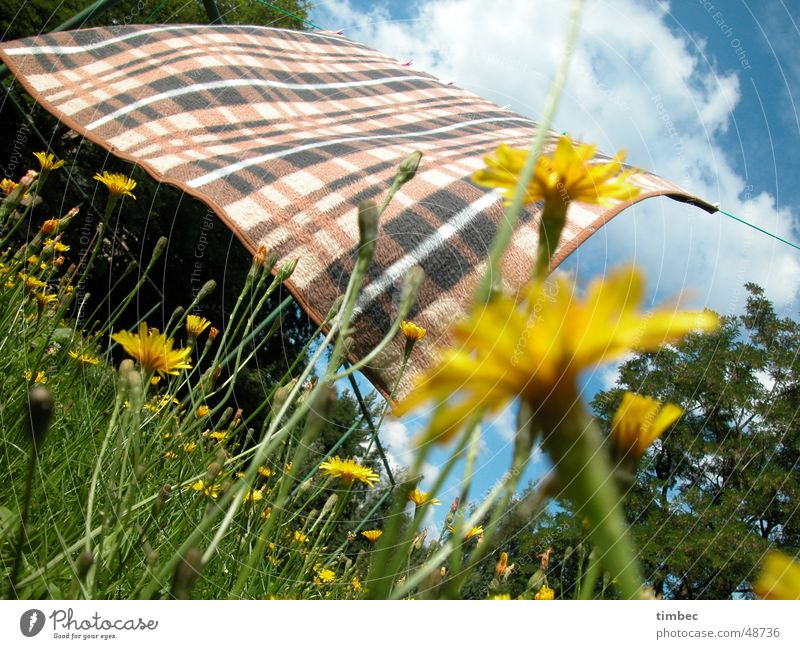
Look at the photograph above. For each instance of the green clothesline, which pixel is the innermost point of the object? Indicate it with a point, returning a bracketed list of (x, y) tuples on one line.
[(762, 230)]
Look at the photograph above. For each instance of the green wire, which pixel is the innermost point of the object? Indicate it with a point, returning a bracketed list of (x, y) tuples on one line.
[(156, 11), (288, 13), (755, 227)]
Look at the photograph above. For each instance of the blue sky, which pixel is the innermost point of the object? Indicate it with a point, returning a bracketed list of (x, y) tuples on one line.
[(700, 92)]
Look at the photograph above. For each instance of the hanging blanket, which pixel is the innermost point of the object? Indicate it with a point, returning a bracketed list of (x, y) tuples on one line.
[(282, 133)]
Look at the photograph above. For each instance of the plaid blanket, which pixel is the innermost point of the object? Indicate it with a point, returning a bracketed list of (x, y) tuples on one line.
[(282, 133)]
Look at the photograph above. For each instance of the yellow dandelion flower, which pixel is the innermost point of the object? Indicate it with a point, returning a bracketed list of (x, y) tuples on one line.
[(7, 186), (326, 575), (355, 584), (501, 596), (189, 447), (31, 283), (48, 161), (253, 496), (264, 472), (195, 325), (780, 577), (153, 350), (45, 299), (84, 358), (117, 184), (473, 532), (545, 592), (299, 537), (40, 377), (638, 422), (56, 245), (202, 411), (412, 331), (569, 175), (266, 513), (536, 349), (155, 380), (420, 498), (50, 226), (211, 491), (348, 470), (170, 455), (372, 535), (219, 435)]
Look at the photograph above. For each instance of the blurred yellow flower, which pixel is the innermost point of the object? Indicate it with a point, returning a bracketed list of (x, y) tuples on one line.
[(212, 490), (372, 535), (299, 537), (40, 377), (348, 470), (188, 447), (154, 350), (326, 576), (31, 283), (219, 435), (638, 422), (84, 359), (568, 176), (117, 184), (355, 584), (780, 577), (50, 226), (203, 410), (264, 472), (412, 331), (48, 161), (501, 596), (535, 349), (545, 592), (7, 186), (473, 532), (420, 498), (195, 325), (45, 299), (253, 496)]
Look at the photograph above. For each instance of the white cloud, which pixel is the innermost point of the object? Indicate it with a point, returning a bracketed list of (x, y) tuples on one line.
[(398, 442), (635, 84)]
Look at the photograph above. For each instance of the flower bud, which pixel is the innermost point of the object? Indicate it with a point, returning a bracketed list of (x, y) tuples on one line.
[(408, 168), (367, 228), (40, 411), (186, 573)]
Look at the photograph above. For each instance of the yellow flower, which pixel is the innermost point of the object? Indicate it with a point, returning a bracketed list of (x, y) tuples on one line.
[(326, 576), (545, 593), (356, 584), (348, 470), (189, 447), (264, 472), (84, 359), (56, 245), (536, 349), (501, 596), (203, 410), (39, 378), (117, 184), (212, 334), (31, 283), (779, 579), (372, 535), (419, 498), (195, 325), (253, 495), (50, 226), (153, 350), (7, 186), (44, 299), (299, 537), (568, 176), (412, 331), (212, 490), (219, 435), (170, 455), (475, 531), (638, 422), (48, 161), (155, 380)]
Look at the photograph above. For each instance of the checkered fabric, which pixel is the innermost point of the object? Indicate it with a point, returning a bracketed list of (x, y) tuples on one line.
[(282, 133)]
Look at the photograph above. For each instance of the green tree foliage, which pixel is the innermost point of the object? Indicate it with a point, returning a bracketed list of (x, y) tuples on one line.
[(19, 18)]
